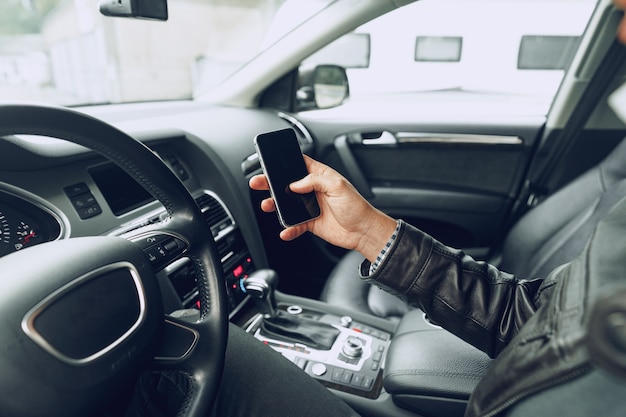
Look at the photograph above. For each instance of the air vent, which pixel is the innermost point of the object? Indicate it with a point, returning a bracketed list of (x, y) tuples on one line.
[(214, 213), (304, 137)]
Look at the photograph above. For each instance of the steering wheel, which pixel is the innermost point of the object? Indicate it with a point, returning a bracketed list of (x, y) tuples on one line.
[(80, 318)]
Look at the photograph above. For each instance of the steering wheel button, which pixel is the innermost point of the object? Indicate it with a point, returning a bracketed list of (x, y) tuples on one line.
[(149, 241), (170, 245), (160, 250), (152, 256)]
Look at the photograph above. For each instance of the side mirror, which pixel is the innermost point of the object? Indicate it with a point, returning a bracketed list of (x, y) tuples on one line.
[(138, 9), (321, 87)]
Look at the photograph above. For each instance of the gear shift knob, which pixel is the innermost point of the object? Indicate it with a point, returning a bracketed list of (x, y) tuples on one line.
[(260, 285)]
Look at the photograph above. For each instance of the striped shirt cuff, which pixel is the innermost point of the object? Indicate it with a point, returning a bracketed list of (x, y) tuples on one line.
[(383, 253)]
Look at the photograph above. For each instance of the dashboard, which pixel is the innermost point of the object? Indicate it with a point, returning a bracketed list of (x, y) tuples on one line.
[(52, 189)]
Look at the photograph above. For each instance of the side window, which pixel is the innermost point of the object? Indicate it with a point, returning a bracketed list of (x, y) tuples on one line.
[(497, 54)]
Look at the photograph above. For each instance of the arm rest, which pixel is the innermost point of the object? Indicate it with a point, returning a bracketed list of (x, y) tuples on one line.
[(432, 371)]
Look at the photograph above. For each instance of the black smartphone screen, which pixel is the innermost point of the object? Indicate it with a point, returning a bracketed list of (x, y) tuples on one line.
[(282, 163)]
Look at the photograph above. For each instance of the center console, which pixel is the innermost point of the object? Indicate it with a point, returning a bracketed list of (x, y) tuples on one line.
[(339, 351), (380, 368), (354, 361)]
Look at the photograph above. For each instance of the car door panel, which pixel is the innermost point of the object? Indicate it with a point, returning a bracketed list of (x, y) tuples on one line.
[(457, 182)]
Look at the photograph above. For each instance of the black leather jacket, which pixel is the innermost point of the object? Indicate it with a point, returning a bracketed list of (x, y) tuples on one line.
[(534, 328)]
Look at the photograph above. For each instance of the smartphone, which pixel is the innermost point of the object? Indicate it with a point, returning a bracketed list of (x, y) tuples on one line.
[(282, 162)]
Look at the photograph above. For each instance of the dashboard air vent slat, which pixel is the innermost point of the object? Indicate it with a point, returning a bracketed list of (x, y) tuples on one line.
[(214, 213)]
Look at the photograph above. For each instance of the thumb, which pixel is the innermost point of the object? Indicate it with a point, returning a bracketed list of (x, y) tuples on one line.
[(305, 185)]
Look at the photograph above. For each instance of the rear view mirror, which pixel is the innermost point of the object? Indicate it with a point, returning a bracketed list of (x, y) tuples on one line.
[(321, 87), (138, 9)]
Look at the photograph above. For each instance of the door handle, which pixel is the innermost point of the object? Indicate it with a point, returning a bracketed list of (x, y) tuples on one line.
[(384, 138)]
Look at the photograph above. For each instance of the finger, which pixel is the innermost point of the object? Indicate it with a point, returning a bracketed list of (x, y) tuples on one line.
[(305, 185), (310, 162), (322, 181), (268, 205), (258, 182), (293, 232)]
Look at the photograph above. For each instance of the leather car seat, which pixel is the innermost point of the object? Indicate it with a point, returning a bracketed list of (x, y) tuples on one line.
[(547, 236)]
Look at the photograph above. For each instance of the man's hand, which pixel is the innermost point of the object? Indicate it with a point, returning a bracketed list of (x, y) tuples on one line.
[(347, 219)]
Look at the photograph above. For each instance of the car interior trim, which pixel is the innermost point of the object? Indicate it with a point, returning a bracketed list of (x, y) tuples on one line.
[(190, 346), (28, 322), (304, 135), (387, 138)]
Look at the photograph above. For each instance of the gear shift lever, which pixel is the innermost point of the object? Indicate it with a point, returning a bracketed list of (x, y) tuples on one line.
[(260, 285)]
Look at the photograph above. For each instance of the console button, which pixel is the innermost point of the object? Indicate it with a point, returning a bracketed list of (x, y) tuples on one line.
[(346, 377), (337, 375), (301, 362), (83, 201), (87, 212), (76, 189), (318, 369)]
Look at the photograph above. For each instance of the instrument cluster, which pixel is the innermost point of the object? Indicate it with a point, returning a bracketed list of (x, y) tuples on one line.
[(25, 223)]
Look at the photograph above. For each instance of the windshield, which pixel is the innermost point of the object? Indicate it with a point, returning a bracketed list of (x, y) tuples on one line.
[(65, 52)]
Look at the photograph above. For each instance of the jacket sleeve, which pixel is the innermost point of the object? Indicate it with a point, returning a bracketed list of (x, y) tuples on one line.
[(474, 300)]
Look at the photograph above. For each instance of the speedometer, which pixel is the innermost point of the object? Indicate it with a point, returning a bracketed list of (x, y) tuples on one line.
[(5, 235), (27, 234), (24, 223)]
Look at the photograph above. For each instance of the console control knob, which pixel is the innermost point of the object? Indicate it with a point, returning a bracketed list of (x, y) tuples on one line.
[(318, 369), (353, 347), (345, 321)]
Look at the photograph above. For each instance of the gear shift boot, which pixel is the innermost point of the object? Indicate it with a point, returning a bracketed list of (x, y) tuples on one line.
[(278, 325), (311, 333)]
